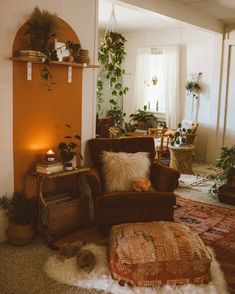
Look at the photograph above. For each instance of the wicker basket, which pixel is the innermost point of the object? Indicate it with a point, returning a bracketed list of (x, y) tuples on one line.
[(66, 216), (181, 159)]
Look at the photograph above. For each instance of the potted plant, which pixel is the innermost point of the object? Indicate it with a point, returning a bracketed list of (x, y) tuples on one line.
[(20, 212), (154, 80), (143, 119), (193, 87), (181, 137), (42, 28), (226, 174), (67, 150)]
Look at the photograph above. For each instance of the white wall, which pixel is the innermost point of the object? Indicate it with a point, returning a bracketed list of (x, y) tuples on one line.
[(82, 17), (196, 56)]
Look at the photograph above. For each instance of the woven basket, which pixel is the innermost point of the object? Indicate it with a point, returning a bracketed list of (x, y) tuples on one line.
[(19, 235), (181, 159), (66, 216)]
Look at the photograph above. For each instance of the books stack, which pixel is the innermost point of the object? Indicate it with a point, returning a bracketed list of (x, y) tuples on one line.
[(49, 168), (32, 55)]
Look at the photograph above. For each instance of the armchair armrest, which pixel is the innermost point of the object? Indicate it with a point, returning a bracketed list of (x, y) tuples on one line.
[(163, 178), (94, 181)]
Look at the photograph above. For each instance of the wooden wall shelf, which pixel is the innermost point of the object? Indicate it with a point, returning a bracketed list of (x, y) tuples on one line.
[(70, 66), (63, 63)]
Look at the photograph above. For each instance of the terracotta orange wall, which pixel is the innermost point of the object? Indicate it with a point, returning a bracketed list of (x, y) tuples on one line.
[(41, 110)]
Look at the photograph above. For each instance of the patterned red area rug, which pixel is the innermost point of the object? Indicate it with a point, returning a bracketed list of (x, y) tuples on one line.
[(216, 226)]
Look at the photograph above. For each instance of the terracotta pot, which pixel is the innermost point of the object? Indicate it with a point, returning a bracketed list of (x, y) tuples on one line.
[(19, 235)]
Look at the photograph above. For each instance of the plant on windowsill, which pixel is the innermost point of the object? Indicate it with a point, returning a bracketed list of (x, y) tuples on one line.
[(181, 137), (67, 150), (143, 119), (226, 174), (20, 212)]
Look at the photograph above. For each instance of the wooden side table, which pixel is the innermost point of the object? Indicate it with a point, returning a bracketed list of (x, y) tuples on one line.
[(181, 158), (60, 211)]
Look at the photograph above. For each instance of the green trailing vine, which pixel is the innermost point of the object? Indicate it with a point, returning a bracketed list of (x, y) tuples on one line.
[(111, 56)]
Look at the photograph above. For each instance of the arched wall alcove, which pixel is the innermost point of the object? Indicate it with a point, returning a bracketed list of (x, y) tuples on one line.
[(41, 108)]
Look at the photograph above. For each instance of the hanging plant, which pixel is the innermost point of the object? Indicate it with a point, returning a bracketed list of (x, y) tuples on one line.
[(193, 87), (111, 56)]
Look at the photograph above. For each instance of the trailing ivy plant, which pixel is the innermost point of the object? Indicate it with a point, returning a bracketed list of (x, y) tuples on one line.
[(111, 56)]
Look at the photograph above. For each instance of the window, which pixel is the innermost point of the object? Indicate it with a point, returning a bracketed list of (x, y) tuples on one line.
[(157, 81), (154, 90)]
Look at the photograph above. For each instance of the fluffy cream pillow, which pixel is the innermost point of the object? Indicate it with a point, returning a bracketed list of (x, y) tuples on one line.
[(120, 169)]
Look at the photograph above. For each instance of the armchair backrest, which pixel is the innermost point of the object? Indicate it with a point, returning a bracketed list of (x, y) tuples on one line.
[(129, 145)]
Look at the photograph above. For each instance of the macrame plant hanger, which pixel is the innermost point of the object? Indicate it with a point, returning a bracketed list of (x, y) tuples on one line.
[(111, 26)]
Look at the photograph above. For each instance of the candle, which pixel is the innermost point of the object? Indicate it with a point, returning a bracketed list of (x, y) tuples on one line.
[(50, 155)]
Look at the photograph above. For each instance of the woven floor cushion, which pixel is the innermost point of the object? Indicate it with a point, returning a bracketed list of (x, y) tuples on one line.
[(156, 253)]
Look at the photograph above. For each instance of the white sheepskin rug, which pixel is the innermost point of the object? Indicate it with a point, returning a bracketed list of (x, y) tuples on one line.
[(99, 278)]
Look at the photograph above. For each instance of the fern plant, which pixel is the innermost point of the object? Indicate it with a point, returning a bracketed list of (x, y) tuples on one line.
[(42, 27)]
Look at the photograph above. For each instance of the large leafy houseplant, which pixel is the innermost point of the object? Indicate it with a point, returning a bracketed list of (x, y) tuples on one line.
[(143, 119), (111, 56), (226, 164)]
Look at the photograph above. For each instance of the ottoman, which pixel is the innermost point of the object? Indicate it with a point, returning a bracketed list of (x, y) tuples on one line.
[(156, 253)]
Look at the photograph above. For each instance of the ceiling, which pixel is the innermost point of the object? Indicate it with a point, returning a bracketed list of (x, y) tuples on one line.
[(223, 10), (130, 18)]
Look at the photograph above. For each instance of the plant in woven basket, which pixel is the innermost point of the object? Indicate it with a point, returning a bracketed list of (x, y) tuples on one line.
[(18, 209), (67, 148), (180, 137), (226, 165)]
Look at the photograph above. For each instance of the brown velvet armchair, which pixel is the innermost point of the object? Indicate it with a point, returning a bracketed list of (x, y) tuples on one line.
[(112, 208)]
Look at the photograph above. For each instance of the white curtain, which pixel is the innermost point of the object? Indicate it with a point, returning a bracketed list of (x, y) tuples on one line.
[(141, 73), (171, 74), (171, 82)]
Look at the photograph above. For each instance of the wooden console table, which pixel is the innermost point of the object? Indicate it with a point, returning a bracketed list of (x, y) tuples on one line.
[(181, 158)]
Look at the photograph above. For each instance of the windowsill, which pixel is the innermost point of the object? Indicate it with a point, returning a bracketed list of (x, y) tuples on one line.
[(157, 112)]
